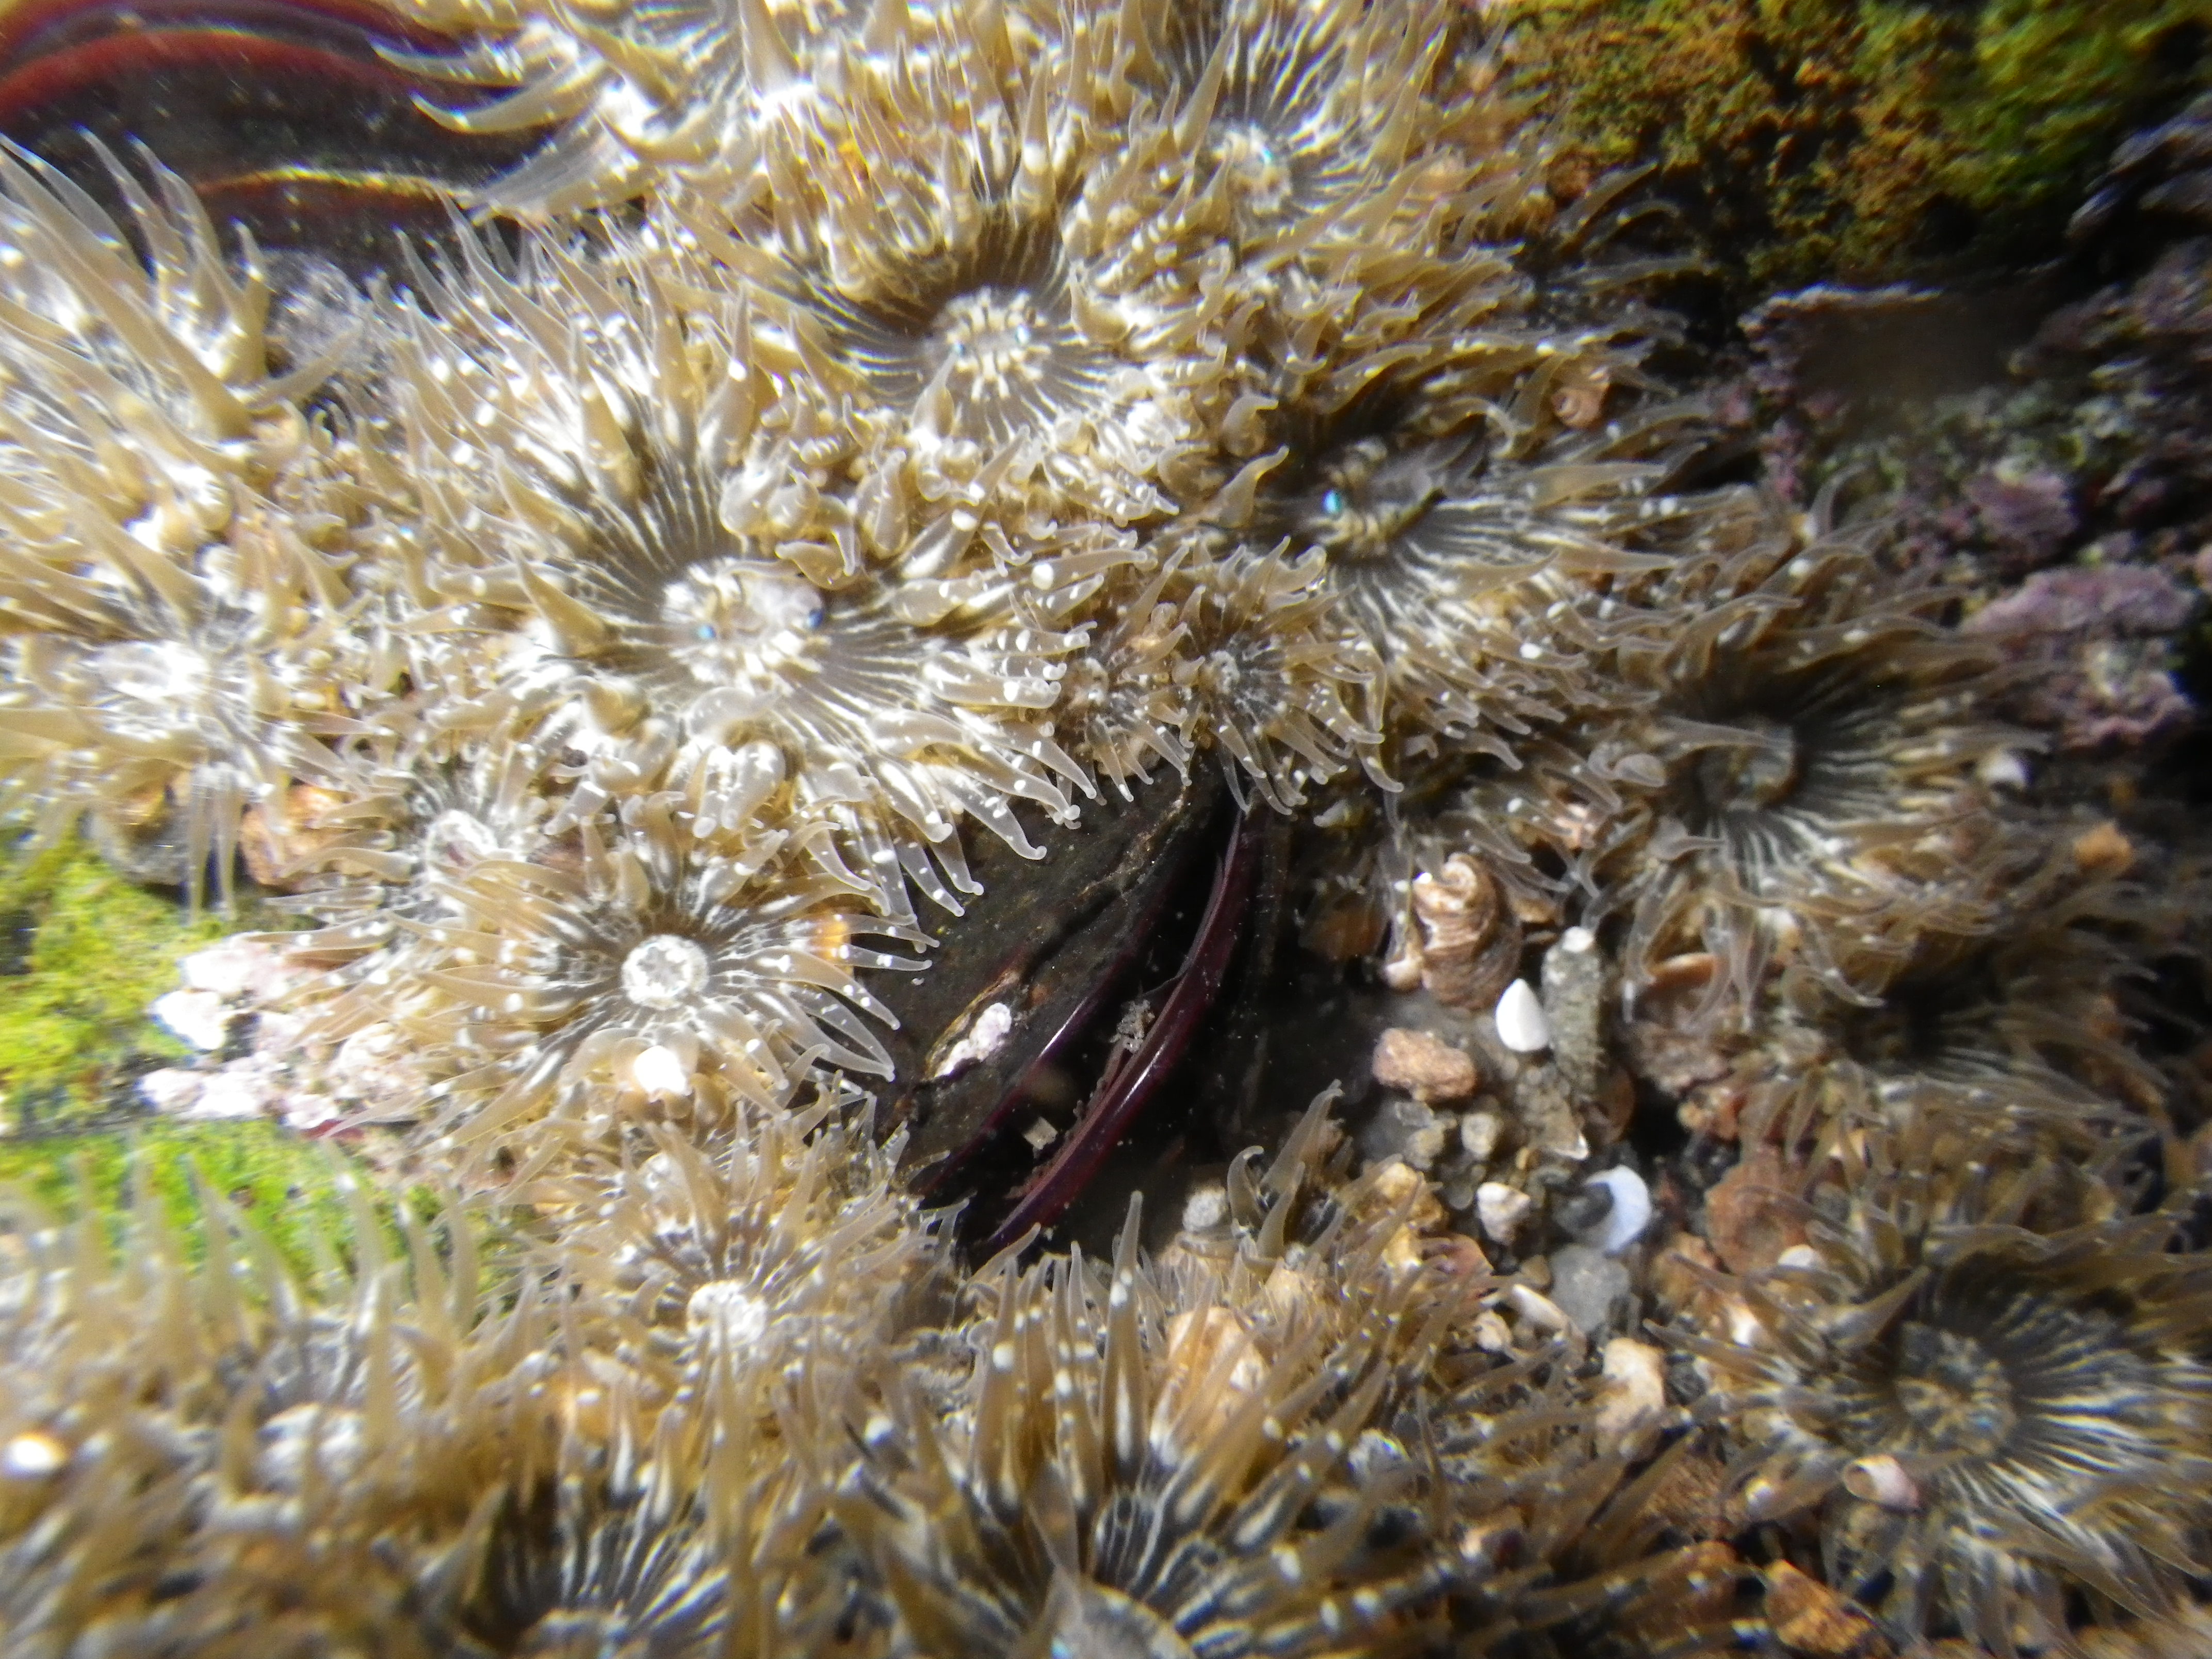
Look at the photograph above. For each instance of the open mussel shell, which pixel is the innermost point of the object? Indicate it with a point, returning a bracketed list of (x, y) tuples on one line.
[(287, 116), (1087, 1023)]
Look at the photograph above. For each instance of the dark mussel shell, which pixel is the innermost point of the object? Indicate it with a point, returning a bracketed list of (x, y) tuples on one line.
[(1110, 985), (285, 115)]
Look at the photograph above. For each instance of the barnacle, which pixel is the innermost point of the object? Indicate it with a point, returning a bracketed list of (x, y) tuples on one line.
[(1158, 1484), (654, 966), (634, 514), (1985, 1416)]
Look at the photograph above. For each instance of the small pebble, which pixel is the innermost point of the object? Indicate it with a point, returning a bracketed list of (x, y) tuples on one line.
[(659, 1070), (1592, 1288), (1501, 1210), (1407, 1129), (1423, 1067), (171, 1089), (1207, 1208), (1521, 1025), (1635, 1386), (1627, 1217), (1479, 1133), (201, 1018)]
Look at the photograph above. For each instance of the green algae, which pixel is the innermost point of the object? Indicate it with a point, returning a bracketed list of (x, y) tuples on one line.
[(83, 952), (293, 1190), (1859, 140)]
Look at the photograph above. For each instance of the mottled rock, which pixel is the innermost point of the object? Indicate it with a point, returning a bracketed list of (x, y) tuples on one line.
[(1751, 1217), (1424, 1066), (1592, 1288)]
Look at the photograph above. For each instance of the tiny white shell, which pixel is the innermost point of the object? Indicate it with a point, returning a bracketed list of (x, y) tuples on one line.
[(1882, 1479), (1631, 1212), (1521, 1025)]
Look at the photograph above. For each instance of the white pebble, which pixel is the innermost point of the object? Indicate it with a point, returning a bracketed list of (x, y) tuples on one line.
[(660, 1072), (1882, 1479), (171, 1088), (979, 1042), (1207, 1208), (1501, 1210), (1576, 941), (1479, 1133), (201, 1018), (2003, 768), (1521, 1026), (1631, 1212)]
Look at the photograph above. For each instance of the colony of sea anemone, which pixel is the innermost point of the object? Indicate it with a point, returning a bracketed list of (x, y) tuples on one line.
[(953, 434)]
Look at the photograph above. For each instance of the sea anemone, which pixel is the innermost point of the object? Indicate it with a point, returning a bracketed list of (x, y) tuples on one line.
[(1299, 188), (2021, 1031), (653, 967), (1477, 572), (1150, 1478), (1124, 705), (379, 863), (645, 100), (914, 257), (264, 1463), (790, 1238), (1984, 1418), (652, 534), (1799, 788), (1284, 688), (173, 583), (663, 1531)]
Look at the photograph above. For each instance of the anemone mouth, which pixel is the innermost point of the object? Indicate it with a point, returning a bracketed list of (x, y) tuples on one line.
[(1753, 765), (1781, 775), (1986, 1373), (737, 624), (1367, 500), (160, 696), (666, 971), (982, 344), (1287, 137)]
